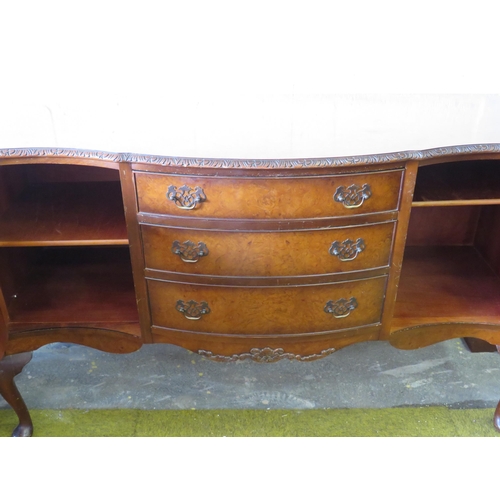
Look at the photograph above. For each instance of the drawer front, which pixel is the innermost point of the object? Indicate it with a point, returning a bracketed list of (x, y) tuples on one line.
[(294, 253), (266, 310), (268, 198)]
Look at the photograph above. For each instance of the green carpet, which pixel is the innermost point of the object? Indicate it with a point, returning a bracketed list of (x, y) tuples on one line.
[(399, 422)]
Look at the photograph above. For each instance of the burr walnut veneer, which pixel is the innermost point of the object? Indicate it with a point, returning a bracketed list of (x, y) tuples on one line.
[(245, 259)]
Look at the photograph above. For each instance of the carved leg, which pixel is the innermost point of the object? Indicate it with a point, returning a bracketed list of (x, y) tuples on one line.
[(496, 417), (10, 366)]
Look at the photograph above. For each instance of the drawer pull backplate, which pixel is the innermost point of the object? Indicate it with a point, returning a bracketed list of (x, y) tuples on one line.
[(341, 308), (347, 249), (186, 198), (353, 196), (189, 251), (192, 309)]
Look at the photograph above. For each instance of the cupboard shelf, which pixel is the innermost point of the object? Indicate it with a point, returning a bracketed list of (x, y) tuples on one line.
[(454, 184), (74, 286), (446, 284), (65, 214)]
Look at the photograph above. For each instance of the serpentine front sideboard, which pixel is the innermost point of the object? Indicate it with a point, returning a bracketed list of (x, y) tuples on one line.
[(245, 259)]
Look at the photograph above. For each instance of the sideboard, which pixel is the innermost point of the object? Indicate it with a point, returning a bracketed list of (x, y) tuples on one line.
[(245, 259)]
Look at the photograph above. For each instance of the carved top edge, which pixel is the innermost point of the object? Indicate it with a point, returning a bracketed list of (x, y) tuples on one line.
[(59, 153), (170, 161)]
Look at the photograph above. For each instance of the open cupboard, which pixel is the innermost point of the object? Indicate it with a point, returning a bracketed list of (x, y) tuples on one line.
[(246, 259), (64, 253), (450, 273)]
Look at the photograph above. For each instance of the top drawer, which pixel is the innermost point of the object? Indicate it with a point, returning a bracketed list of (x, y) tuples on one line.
[(268, 198)]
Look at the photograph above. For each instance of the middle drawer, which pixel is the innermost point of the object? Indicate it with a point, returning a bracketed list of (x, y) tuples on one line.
[(278, 253)]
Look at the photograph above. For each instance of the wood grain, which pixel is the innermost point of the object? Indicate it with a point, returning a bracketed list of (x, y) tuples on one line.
[(224, 345), (487, 236), (446, 284), (443, 225), (3, 330), (10, 366), (410, 176), (66, 273), (117, 338), (136, 249), (423, 335), (65, 214), (266, 310), (458, 183), (270, 198), (80, 286), (283, 253)]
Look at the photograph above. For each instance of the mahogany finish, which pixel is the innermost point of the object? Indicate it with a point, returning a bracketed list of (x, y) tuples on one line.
[(47, 205), (10, 366), (450, 225), (89, 285), (456, 183), (246, 259), (430, 279), (267, 310), (271, 198), (269, 253)]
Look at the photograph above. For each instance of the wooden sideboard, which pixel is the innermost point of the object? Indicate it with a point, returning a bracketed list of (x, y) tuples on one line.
[(245, 259)]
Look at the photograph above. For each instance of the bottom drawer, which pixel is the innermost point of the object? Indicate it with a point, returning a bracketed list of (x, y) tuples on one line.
[(266, 310)]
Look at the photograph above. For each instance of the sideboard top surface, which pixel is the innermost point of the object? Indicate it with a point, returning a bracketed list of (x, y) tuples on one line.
[(448, 153)]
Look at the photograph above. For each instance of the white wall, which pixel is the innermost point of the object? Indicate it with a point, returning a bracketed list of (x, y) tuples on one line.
[(245, 79)]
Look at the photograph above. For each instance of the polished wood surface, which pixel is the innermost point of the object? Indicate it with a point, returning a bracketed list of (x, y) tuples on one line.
[(267, 310), (270, 253), (136, 250), (10, 366), (398, 248), (82, 214), (248, 259), (88, 285), (443, 284), (235, 347), (65, 214), (459, 183), (45, 205), (443, 225), (487, 237), (423, 335), (110, 337), (3, 330), (269, 198), (274, 225), (496, 417)]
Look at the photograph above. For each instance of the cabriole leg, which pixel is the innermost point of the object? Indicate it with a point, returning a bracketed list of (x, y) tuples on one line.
[(10, 366), (496, 417)]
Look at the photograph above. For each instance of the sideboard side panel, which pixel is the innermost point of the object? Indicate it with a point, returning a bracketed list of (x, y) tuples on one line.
[(408, 187), (136, 250), (3, 329)]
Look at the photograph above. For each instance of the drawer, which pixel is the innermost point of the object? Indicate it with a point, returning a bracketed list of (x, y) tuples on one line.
[(279, 253), (266, 310), (268, 198)]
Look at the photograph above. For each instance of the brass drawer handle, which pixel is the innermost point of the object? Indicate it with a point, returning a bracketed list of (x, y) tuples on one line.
[(189, 251), (347, 249), (341, 308), (186, 197), (353, 196), (192, 309)]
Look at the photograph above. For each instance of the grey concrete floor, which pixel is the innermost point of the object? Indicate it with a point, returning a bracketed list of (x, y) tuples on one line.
[(368, 375)]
